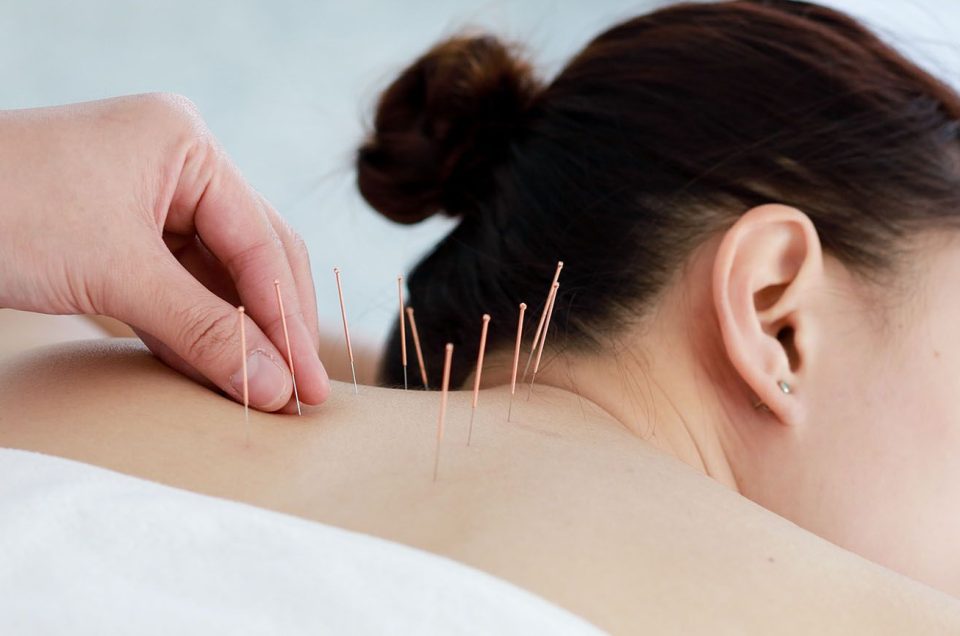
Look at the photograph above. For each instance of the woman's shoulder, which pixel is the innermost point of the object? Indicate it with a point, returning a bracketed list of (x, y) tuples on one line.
[(614, 531)]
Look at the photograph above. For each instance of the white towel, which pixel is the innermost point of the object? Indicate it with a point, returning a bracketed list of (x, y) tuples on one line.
[(85, 550)]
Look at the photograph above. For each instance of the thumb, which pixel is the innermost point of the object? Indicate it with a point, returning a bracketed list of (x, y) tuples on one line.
[(196, 327)]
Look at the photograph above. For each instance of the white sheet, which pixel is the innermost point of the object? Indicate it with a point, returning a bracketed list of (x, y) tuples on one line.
[(85, 550)]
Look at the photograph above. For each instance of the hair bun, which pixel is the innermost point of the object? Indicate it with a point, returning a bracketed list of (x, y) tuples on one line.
[(441, 128)]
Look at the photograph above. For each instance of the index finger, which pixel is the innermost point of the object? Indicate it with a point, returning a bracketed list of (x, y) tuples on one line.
[(299, 261), (237, 229)]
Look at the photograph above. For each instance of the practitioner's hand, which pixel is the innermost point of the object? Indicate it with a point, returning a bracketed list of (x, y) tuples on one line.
[(129, 208)]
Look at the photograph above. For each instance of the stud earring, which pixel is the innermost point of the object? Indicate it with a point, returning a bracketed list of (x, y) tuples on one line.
[(783, 387)]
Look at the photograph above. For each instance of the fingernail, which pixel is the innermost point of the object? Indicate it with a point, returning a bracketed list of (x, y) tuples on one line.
[(267, 382)]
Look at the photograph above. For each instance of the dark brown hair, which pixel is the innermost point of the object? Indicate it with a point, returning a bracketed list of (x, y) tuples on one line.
[(660, 133)]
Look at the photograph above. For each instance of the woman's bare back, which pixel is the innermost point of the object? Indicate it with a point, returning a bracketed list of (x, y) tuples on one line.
[(562, 500)]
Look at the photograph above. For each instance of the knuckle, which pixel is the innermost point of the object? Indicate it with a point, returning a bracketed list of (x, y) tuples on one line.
[(275, 325), (280, 225), (298, 245), (179, 112), (293, 243), (175, 103), (206, 334), (252, 258)]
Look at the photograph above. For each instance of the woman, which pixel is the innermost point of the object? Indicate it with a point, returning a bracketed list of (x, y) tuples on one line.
[(754, 204)]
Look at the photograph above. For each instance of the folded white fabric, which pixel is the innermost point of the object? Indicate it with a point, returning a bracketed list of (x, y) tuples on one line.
[(85, 550)]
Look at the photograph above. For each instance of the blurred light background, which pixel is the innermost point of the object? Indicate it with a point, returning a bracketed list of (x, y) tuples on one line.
[(288, 85)]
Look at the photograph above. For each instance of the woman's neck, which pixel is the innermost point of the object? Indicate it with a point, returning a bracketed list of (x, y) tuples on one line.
[(655, 385), (672, 409)]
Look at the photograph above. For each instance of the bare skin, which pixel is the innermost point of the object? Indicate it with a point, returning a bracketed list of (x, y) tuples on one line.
[(630, 504), (564, 502), (93, 193)]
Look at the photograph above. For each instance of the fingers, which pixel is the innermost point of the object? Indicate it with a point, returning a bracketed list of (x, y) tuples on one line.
[(200, 331), (232, 222), (202, 265), (177, 363), (299, 260), (210, 272), (172, 360)]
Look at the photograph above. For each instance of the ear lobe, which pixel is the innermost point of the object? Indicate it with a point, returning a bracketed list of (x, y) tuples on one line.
[(765, 266)]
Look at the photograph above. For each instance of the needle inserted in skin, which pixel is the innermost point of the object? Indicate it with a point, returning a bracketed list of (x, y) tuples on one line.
[(516, 359), (246, 384), (403, 331), (543, 316), (443, 406), (346, 329), (546, 327), (416, 346), (286, 339), (476, 380)]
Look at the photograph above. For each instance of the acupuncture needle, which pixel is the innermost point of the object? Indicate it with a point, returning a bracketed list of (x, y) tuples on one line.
[(546, 327), (403, 332), (286, 339), (443, 406), (543, 316), (246, 384), (346, 329), (476, 380), (516, 358), (416, 346)]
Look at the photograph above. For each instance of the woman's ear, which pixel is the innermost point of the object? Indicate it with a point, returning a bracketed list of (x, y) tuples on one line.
[(764, 275)]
